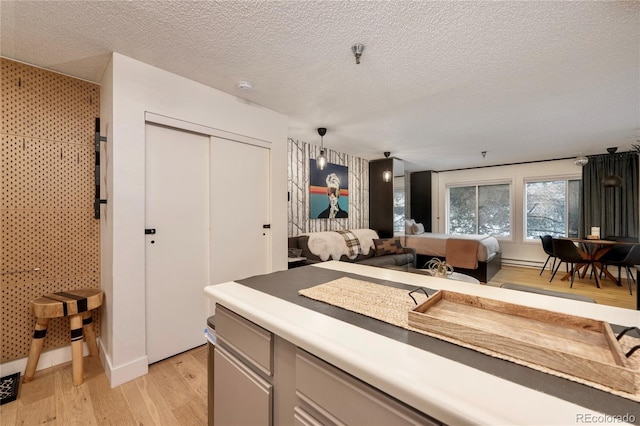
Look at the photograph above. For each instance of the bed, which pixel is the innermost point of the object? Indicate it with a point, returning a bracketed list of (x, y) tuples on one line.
[(475, 255)]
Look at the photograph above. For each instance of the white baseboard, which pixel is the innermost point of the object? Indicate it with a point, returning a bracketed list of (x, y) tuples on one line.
[(123, 373), (524, 263), (47, 359), (116, 376)]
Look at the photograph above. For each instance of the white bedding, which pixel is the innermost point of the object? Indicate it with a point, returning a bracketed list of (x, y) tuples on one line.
[(431, 244), (330, 244)]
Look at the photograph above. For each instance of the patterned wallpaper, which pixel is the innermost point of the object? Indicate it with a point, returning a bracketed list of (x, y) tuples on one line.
[(298, 185)]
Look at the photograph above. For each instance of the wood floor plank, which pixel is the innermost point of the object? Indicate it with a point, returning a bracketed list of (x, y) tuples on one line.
[(73, 403), (9, 411), (175, 390), (41, 412), (609, 294), (147, 403), (42, 386), (193, 373), (110, 405), (192, 413), (200, 354)]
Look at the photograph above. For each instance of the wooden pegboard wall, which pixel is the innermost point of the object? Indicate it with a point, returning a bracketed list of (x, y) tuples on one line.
[(46, 204)]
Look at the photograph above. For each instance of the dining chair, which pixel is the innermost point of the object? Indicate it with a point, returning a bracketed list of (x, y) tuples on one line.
[(617, 254), (547, 246), (631, 259), (566, 251)]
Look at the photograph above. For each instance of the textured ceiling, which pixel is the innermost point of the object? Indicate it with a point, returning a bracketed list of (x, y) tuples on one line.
[(438, 82)]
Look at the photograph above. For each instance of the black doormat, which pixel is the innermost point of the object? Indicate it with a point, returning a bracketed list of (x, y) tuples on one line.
[(9, 388)]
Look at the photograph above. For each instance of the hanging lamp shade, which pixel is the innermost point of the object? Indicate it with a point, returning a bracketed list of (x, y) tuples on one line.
[(612, 181), (387, 176), (321, 159), (581, 160)]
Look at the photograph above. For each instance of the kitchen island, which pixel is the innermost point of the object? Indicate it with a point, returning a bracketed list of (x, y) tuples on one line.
[(413, 374)]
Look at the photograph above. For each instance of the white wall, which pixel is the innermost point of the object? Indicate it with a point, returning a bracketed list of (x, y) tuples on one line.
[(129, 89), (515, 250)]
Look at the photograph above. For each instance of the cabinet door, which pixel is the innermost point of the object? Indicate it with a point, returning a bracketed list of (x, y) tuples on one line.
[(335, 397), (241, 397)]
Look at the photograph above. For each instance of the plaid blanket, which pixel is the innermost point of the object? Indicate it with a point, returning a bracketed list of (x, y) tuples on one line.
[(353, 243)]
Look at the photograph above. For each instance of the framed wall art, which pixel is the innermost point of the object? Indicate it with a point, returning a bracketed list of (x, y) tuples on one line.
[(328, 191)]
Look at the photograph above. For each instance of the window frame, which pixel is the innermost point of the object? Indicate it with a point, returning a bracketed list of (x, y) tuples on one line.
[(509, 182), (565, 178)]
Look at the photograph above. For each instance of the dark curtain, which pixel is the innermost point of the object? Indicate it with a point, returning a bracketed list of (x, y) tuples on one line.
[(614, 210)]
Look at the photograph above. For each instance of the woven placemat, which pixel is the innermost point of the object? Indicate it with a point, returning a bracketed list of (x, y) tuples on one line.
[(392, 305)]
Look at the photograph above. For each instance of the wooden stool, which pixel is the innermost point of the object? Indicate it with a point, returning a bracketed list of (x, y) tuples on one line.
[(75, 304)]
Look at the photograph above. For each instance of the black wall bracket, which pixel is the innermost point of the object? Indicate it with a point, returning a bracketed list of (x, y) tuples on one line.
[(96, 143)]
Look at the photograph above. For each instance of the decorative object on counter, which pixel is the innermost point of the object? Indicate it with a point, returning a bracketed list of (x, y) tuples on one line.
[(578, 347), (417, 289), (392, 305), (438, 268)]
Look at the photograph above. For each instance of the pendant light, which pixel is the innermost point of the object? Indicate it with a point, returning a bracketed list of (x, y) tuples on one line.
[(321, 160), (612, 181), (387, 175), (581, 160)]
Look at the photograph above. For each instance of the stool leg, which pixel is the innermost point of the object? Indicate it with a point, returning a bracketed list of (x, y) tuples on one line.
[(75, 322), (36, 348), (89, 333)]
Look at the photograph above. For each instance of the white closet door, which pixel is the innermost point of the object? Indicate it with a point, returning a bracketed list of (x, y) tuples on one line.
[(177, 255), (240, 244)]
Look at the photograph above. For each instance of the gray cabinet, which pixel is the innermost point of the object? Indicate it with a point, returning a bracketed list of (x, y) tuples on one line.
[(243, 359), (329, 396), (261, 379)]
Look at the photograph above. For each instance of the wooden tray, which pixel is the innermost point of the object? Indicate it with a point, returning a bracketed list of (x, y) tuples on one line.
[(580, 347)]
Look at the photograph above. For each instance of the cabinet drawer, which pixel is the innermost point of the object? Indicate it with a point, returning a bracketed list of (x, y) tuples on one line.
[(242, 397), (302, 418), (248, 340), (342, 399)]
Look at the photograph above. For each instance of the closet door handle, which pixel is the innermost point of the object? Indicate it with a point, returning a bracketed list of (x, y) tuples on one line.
[(150, 231)]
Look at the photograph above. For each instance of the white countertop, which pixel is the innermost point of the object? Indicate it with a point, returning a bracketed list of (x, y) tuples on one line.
[(446, 390)]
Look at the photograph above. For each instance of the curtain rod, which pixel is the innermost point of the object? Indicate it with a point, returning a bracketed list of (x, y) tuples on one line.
[(527, 162)]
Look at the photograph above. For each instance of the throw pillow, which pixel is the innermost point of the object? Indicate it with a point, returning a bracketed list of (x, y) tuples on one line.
[(417, 229), (385, 246), (408, 225)]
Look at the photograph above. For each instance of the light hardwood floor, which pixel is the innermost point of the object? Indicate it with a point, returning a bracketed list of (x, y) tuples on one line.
[(609, 294), (175, 390), (173, 393)]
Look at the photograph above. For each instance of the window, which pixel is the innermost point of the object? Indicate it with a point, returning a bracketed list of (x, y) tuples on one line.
[(398, 209), (480, 209), (552, 208)]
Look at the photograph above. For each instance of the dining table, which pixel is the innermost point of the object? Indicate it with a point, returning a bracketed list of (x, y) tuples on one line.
[(593, 249)]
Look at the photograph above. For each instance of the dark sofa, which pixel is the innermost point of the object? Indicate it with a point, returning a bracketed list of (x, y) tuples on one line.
[(407, 258)]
